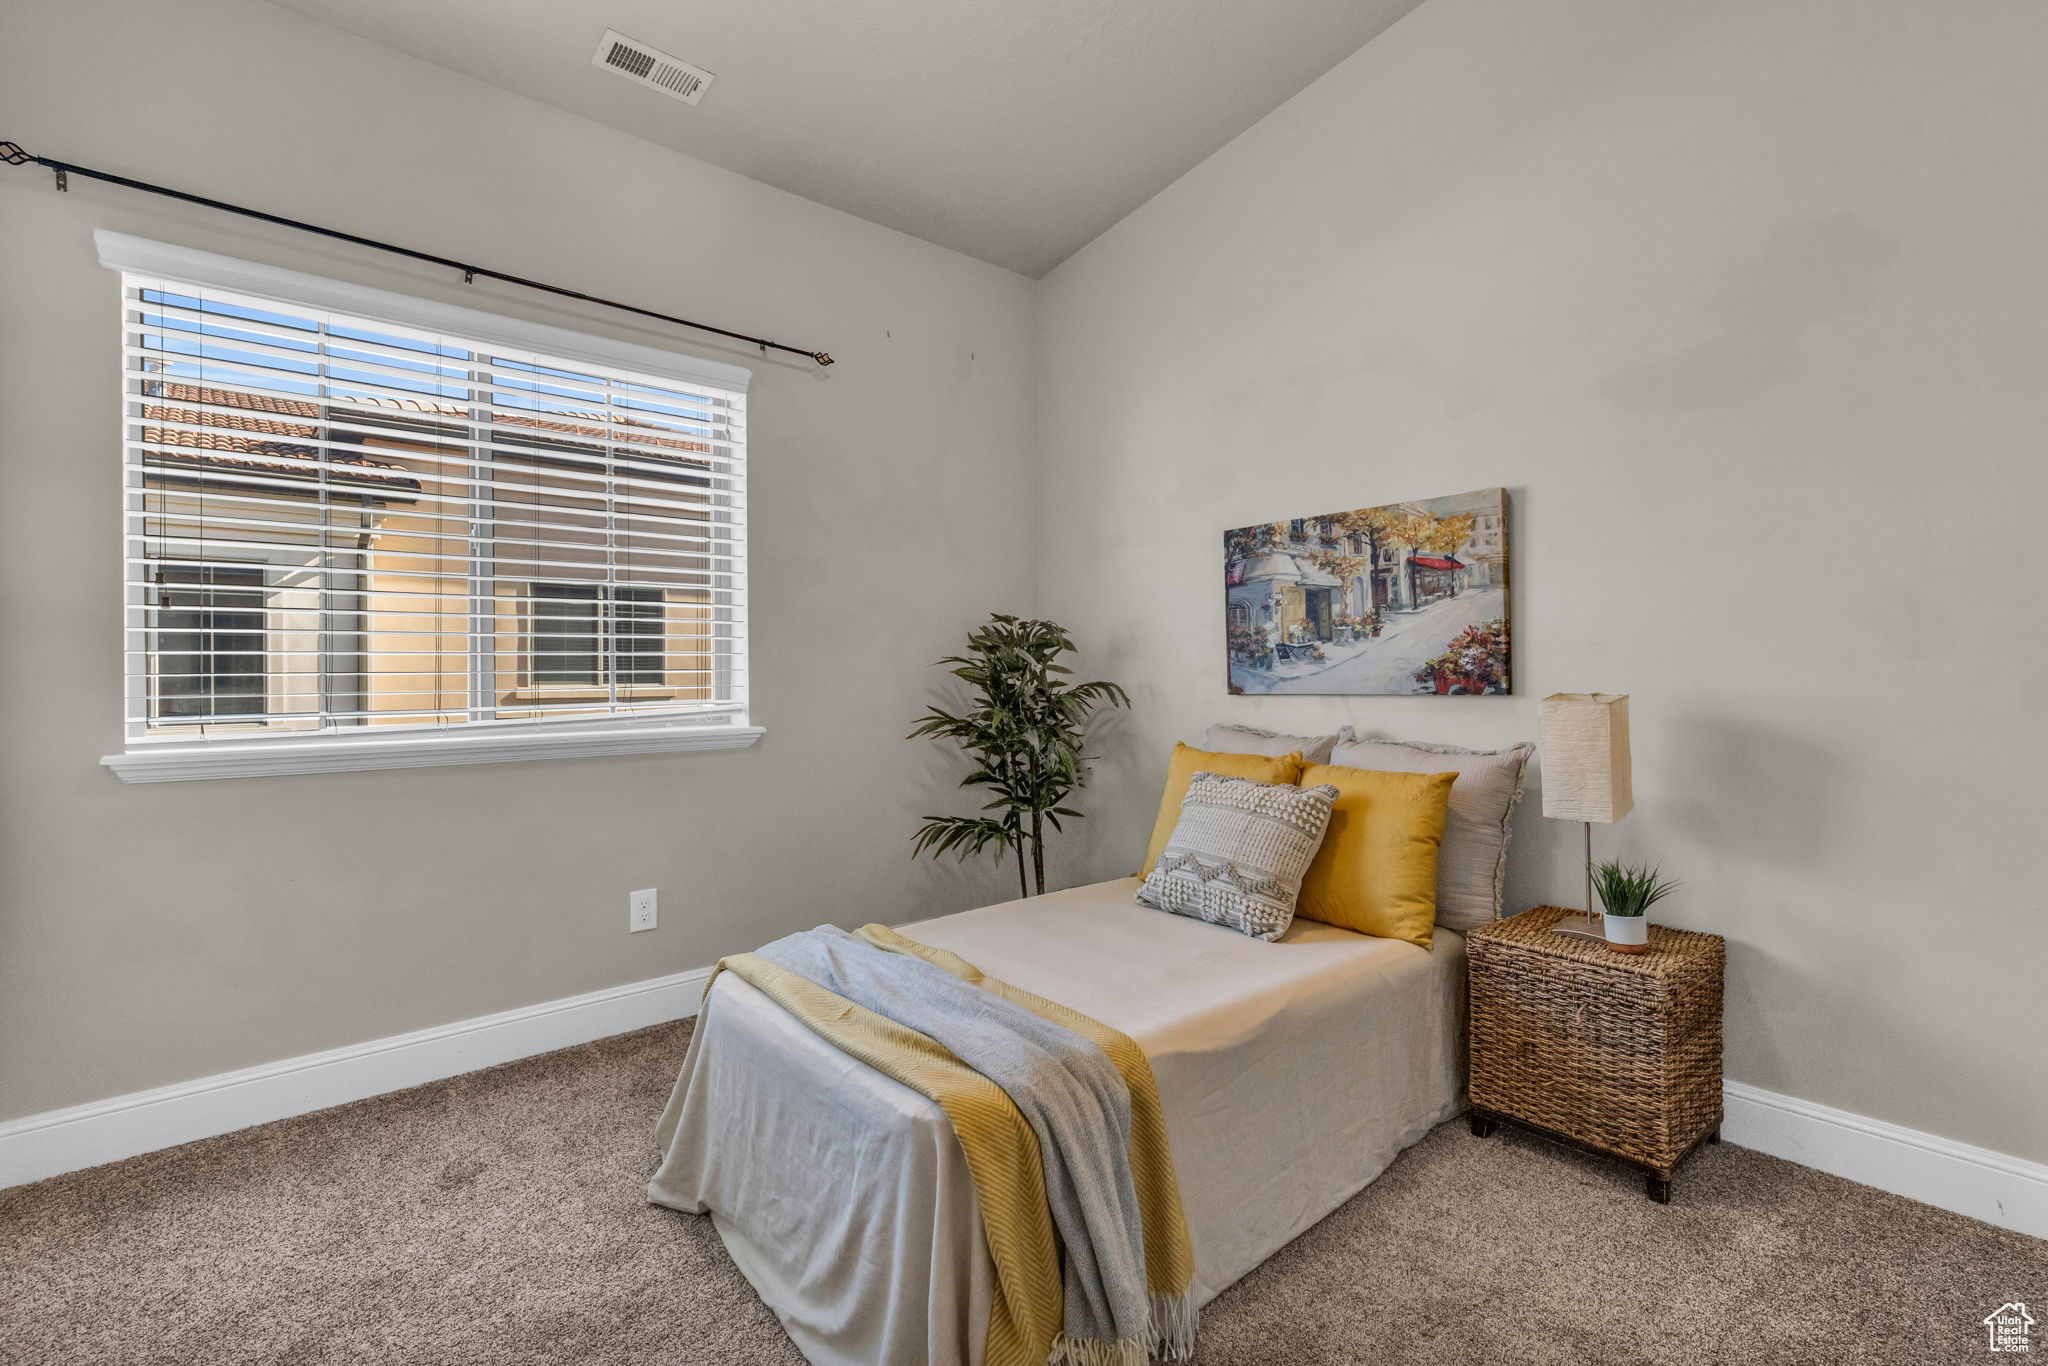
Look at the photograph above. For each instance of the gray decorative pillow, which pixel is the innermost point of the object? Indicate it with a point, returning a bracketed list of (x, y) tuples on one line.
[(1472, 862), (1225, 738), (1238, 852)]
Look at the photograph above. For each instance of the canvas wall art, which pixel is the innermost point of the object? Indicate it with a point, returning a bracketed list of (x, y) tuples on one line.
[(1405, 598)]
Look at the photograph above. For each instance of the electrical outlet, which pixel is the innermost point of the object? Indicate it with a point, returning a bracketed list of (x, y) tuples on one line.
[(640, 911)]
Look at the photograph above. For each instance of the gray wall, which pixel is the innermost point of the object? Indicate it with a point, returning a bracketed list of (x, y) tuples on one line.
[(150, 934), (1746, 304)]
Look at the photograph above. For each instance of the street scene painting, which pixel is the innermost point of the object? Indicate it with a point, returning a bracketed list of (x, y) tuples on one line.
[(1405, 598)]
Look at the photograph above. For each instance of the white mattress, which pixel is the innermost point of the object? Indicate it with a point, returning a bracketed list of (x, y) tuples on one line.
[(1290, 1075)]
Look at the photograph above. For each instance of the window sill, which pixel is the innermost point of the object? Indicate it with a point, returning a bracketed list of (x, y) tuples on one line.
[(187, 760)]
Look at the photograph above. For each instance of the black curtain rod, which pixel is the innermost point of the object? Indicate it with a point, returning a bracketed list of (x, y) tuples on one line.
[(13, 155)]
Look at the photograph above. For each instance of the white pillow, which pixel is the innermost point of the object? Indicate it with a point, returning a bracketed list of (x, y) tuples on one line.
[(1472, 862), (1225, 738)]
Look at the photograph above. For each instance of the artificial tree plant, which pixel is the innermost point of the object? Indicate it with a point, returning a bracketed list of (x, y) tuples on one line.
[(1023, 730)]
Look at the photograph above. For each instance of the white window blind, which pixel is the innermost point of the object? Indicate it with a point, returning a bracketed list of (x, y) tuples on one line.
[(383, 523)]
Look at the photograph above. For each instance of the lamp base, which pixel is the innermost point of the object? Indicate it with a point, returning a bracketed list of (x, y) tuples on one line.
[(1588, 926), (1581, 927)]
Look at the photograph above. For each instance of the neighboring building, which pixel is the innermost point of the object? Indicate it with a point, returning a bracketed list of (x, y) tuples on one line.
[(315, 558), (244, 523)]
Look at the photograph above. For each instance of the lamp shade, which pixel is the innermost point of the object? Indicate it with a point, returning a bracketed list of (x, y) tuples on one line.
[(1583, 738)]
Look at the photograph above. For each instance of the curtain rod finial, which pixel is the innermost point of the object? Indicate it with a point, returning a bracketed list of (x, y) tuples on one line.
[(821, 357), (11, 153)]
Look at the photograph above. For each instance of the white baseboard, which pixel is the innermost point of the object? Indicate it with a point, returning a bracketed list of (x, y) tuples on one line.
[(2008, 1191), (58, 1141)]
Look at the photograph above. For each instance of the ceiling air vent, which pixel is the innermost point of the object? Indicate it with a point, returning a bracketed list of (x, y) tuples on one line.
[(635, 60)]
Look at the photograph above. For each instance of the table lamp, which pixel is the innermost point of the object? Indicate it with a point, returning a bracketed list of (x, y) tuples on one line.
[(1583, 738)]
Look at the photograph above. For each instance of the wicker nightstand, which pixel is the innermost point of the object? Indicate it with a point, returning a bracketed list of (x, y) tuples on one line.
[(1618, 1054)]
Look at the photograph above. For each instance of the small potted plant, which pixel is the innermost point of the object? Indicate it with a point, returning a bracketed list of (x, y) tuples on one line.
[(1626, 895)]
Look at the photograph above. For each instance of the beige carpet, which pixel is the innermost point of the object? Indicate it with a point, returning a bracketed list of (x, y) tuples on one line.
[(497, 1218)]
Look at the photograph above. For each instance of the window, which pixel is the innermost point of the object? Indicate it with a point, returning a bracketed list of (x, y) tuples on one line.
[(591, 636), (210, 642), (360, 526), (565, 635)]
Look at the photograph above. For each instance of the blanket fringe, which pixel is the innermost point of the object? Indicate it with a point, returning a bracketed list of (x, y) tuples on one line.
[(1175, 1321), (1171, 1337), (1068, 1351)]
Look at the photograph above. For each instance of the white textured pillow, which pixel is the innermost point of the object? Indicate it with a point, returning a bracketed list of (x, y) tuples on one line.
[(1237, 854), (1473, 859), (1224, 738)]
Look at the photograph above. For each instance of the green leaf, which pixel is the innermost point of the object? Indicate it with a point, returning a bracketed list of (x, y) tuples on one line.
[(1630, 890), (1023, 728)]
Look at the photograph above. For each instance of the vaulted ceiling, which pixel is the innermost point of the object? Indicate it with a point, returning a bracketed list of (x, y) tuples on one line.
[(1012, 130)]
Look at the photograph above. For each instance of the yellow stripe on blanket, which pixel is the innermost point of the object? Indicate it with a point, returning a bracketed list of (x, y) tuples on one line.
[(1027, 1305), (1169, 1260)]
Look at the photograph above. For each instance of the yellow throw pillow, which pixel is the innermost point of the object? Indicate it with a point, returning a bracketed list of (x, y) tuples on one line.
[(1188, 761), (1376, 871)]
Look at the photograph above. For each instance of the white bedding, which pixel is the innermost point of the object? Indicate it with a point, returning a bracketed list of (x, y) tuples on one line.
[(1290, 1074)]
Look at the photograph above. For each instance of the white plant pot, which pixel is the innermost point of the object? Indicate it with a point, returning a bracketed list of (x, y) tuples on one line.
[(1627, 931)]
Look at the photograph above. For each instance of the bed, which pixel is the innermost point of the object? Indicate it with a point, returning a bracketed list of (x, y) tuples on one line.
[(1290, 1074)]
